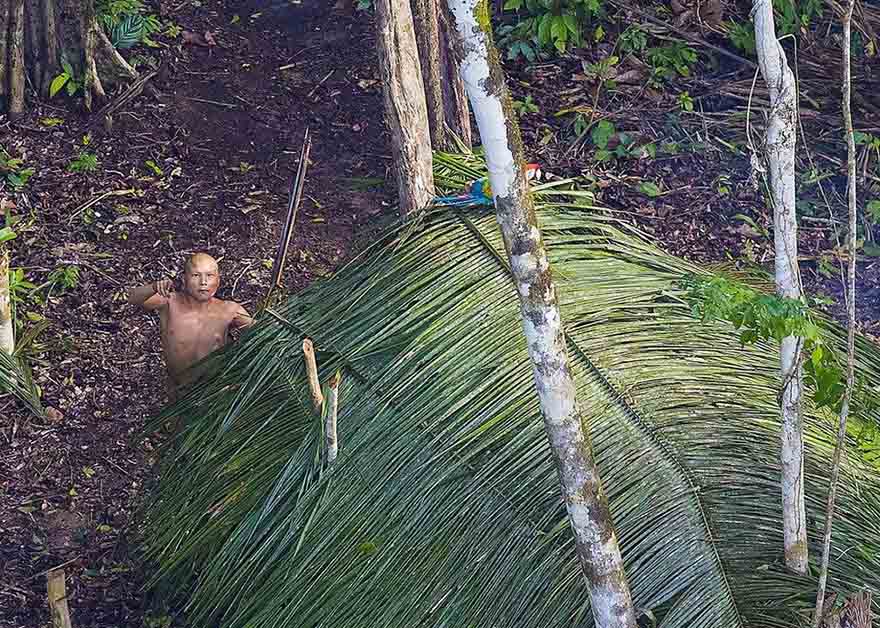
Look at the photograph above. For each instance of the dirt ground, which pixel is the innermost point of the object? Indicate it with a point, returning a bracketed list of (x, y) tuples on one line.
[(226, 136), (207, 166)]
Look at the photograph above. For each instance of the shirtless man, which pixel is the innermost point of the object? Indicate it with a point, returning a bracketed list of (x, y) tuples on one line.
[(193, 323)]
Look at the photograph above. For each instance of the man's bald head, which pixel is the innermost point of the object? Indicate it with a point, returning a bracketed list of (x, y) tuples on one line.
[(201, 276), (200, 259)]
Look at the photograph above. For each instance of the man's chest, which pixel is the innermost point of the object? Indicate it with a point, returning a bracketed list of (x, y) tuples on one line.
[(197, 328)]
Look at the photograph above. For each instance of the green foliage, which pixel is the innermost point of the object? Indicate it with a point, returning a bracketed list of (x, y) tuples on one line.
[(790, 16), (669, 61), (548, 25), (67, 80), (763, 317), (128, 23), (685, 101), (84, 162), (445, 477), (742, 36), (64, 278), (111, 12), (20, 287), (525, 106), (12, 171), (613, 144), (633, 40)]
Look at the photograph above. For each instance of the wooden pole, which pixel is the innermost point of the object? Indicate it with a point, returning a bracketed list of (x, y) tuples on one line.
[(330, 437), (58, 599), (312, 373)]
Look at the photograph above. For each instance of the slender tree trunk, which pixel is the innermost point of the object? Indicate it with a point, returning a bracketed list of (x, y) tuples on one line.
[(781, 138), (426, 20), (405, 109), (7, 334), (457, 112), (35, 34), (850, 307), (585, 500), (16, 59), (4, 53), (448, 110)]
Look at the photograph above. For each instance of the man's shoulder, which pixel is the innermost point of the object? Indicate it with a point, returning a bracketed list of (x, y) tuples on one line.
[(227, 306)]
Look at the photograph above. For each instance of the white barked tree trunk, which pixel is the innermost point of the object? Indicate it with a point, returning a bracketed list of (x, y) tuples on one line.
[(585, 500), (7, 334), (780, 148)]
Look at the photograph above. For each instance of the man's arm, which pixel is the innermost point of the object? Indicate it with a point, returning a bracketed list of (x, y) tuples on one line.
[(240, 317), (152, 296)]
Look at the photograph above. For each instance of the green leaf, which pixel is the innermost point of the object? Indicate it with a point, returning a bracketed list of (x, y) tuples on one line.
[(571, 23), (544, 28), (559, 32), (513, 5), (57, 83), (129, 32), (602, 133), (649, 188)]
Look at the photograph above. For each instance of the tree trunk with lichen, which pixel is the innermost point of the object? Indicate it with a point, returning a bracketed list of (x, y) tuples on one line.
[(405, 109), (589, 515), (7, 334), (445, 97), (780, 147), (35, 35)]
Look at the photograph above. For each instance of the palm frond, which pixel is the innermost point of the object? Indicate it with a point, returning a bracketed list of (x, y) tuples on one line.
[(16, 380), (443, 508)]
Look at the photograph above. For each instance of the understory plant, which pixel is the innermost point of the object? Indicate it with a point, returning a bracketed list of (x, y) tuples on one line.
[(544, 25)]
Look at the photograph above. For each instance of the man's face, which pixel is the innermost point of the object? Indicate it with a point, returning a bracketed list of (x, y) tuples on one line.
[(202, 278)]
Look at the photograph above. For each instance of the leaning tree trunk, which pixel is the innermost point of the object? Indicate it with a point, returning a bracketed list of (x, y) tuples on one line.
[(7, 334), (781, 137), (405, 109), (36, 34), (589, 516)]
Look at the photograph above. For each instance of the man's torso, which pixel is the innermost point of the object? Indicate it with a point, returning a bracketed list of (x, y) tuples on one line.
[(189, 335)]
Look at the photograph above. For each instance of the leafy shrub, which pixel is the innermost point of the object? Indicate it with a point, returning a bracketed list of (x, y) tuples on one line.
[(545, 25), (84, 162), (127, 23), (790, 17), (675, 58), (11, 170)]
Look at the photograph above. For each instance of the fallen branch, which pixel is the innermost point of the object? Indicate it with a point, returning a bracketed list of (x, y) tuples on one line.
[(127, 96)]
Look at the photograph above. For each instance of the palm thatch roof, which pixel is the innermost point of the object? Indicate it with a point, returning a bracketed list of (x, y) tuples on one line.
[(443, 508)]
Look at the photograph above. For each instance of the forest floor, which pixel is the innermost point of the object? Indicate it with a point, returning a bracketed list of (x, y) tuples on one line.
[(207, 165)]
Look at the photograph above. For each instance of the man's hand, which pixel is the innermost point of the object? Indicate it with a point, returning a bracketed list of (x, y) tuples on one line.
[(164, 288), (152, 296)]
